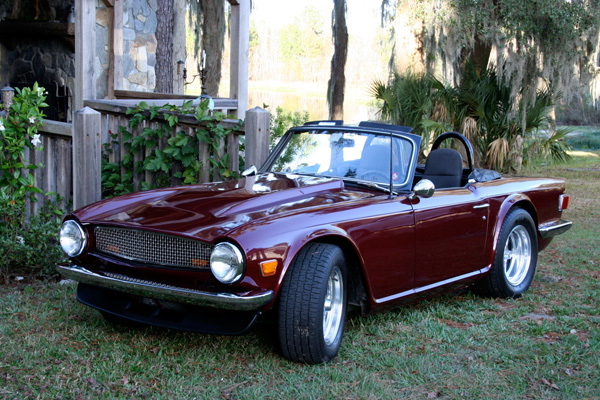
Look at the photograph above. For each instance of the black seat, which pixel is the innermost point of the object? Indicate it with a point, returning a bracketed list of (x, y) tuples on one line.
[(444, 168)]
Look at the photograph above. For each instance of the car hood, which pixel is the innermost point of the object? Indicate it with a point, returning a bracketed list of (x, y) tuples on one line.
[(209, 211)]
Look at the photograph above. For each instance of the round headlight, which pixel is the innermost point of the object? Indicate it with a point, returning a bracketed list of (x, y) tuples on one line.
[(227, 263), (72, 238)]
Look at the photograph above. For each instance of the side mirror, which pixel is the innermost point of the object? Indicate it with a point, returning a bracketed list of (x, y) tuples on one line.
[(424, 188), (250, 171)]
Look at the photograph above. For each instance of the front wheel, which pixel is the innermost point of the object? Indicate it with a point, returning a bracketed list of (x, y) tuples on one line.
[(312, 305), (515, 260)]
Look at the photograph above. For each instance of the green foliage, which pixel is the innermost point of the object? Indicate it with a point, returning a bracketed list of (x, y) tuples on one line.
[(27, 246), (551, 39), (553, 25), (31, 248), (303, 43), (504, 134), (585, 140), (281, 121), (172, 157), (408, 100), (18, 131)]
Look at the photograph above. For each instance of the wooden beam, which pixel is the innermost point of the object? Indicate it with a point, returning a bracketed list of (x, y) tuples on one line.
[(87, 148), (111, 51), (57, 128), (85, 52), (257, 128), (109, 3), (121, 106), (240, 42), (117, 54)]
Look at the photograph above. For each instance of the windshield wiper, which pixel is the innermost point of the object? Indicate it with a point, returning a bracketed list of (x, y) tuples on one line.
[(368, 184)]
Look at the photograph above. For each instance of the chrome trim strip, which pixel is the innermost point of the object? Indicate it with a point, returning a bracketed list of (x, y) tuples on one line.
[(554, 228), (432, 286), (486, 205), (156, 290)]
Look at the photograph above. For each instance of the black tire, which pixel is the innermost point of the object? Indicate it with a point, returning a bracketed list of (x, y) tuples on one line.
[(307, 333), (512, 274)]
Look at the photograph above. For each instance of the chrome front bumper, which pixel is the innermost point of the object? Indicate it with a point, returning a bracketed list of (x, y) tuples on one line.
[(155, 290), (554, 228)]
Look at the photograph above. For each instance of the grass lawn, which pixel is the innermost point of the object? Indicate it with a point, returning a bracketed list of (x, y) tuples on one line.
[(545, 345)]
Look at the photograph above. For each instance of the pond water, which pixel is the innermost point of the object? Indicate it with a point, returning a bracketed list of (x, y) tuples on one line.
[(316, 106)]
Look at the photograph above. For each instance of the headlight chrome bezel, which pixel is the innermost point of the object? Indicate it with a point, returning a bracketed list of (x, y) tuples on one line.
[(227, 263), (71, 227)]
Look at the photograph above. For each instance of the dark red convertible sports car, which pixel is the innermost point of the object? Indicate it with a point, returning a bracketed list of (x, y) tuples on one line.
[(337, 216)]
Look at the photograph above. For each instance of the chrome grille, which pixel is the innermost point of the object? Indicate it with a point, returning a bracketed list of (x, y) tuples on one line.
[(152, 248)]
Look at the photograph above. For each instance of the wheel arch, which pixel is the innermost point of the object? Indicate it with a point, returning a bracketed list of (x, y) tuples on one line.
[(517, 200), (357, 284)]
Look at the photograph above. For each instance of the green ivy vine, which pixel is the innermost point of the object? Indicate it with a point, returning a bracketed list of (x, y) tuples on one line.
[(173, 156)]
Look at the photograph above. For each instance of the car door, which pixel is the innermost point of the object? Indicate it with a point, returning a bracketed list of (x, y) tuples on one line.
[(450, 235), (383, 231)]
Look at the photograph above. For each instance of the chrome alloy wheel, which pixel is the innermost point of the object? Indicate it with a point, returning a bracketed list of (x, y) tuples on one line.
[(333, 306), (517, 255)]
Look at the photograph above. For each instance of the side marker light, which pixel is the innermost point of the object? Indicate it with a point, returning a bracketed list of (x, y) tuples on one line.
[(268, 268)]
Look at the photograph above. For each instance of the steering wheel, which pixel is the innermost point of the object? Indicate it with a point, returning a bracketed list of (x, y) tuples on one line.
[(373, 175), (461, 138)]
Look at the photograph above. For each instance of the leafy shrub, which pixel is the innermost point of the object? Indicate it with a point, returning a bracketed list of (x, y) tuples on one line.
[(505, 133), (32, 248), (176, 161), (27, 246), (281, 121), (585, 141)]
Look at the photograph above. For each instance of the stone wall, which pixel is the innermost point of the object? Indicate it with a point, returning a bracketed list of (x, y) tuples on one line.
[(139, 46), (48, 59)]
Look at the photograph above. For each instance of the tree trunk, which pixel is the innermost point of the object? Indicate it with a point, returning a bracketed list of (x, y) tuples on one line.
[(213, 36), (337, 82), (480, 55), (164, 46)]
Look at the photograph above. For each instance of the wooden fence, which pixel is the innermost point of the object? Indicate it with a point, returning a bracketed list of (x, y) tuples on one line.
[(72, 152), (56, 175)]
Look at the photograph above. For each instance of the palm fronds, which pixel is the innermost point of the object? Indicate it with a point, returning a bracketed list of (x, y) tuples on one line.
[(503, 132)]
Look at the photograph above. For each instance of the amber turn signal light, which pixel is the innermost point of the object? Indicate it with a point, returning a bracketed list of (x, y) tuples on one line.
[(563, 202), (269, 267)]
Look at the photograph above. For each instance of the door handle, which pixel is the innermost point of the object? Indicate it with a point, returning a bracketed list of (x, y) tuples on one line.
[(485, 205)]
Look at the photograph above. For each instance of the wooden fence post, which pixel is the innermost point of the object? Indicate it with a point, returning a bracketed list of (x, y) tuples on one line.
[(87, 148), (257, 124)]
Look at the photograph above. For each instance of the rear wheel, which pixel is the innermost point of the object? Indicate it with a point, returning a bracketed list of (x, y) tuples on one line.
[(515, 260), (312, 305)]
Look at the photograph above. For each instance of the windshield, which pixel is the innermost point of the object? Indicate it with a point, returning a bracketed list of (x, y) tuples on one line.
[(349, 155)]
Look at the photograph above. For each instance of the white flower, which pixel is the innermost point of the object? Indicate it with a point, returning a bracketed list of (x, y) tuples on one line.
[(31, 120), (20, 239), (40, 91), (1, 125), (36, 141)]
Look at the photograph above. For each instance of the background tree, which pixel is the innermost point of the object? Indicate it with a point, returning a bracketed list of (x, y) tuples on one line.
[(208, 20), (528, 41), (337, 81), (164, 46), (302, 45)]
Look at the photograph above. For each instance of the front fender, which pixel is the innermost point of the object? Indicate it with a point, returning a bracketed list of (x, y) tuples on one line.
[(284, 247)]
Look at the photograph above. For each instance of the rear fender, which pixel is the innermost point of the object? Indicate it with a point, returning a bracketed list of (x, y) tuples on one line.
[(514, 200)]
